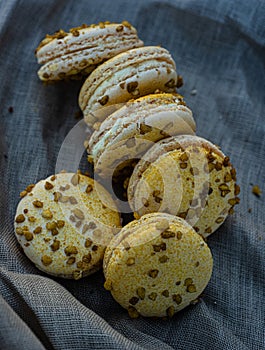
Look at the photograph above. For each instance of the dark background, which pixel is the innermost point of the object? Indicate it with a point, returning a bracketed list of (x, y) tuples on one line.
[(219, 50)]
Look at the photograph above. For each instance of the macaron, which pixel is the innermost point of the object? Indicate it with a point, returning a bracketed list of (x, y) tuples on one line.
[(129, 75), (64, 223), (79, 51), (157, 265), (127, 133), (186, 176)]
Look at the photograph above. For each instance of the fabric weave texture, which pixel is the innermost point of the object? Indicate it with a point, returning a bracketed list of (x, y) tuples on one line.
[(219, 49)]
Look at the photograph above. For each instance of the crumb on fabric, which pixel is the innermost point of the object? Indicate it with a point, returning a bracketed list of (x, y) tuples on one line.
[(256, 190)]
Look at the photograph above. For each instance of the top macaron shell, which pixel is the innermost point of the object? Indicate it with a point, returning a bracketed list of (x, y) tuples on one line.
[(157, 266), (130, 131), (65, 54), (189, 177), (129, 75), (64, 224)]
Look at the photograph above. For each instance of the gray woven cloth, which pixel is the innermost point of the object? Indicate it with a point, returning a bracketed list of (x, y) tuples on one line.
[(219, 49)]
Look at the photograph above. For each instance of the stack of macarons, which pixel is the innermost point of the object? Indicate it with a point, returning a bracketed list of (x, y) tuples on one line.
[(180, 189)]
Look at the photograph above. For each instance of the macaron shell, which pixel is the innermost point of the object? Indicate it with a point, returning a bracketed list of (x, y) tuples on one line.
[(64, 225), (188, 177), (129, 132), (128, 75), (159, 276), (83, 49)]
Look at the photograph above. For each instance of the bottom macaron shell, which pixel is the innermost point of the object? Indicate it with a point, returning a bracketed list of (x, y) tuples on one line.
[(159, 268)]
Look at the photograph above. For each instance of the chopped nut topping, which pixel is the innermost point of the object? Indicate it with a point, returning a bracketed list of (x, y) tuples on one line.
[(133, 313), (218, 166), (31, 219), (78, 224), (87, 258), (184, 157), (171, 83), (71, 260), (51, 225), (48, 185), (132, 86), (179, 81), (47, 214), (231, 211), (163, 259), (46, 260), (219, 220), (70, 249), (37, 204), (126, 24), (30, 188), (208, 230), (88, 243), (37, 230), (191, 288), (159, 247), (224, 189), (152, 296), (72, 200), (234, 201), (170, 311), (64, 199), (130, 261), (179, 235), (167, 234), (134, 300), (177, 298), (140, 292), (183, 165), (79, 214), (54, 231), (104, 100), (60, 223), (23, 194), (153, 273), (165, 293), (19, 231), (28, 235), (237, 190), (89, 188), (57, 196), (119, 28), (20, 218), (233, 174), (75, 179), (226, 161), (85, 228), (188, 281), (55, 246), (227, 177)]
